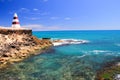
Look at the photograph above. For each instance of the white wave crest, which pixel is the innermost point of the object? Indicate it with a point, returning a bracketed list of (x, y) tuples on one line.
[(68, 41), (107, 52), (91, 52)]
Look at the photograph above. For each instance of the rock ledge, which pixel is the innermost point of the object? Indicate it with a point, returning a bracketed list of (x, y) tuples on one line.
[(16, 47)]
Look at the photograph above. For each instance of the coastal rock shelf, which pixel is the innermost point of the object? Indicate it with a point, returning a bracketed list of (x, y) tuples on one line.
[(15, 47), (7, 31)]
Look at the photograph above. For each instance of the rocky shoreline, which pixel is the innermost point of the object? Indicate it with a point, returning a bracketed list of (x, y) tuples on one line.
[(16, 47), (110, 71)]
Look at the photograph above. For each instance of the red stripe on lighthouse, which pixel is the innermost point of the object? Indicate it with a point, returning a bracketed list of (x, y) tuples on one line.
[(15, 23)]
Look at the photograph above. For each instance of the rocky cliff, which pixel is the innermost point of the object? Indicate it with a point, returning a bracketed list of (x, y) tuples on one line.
[(16, 47)]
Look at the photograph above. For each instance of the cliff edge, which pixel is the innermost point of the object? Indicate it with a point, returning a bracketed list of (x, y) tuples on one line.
[(16, 47)]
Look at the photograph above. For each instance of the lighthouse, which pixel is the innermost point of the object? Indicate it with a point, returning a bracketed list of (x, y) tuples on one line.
[(15, 22)]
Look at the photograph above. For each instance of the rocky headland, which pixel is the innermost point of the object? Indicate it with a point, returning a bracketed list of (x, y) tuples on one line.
[(16, 47)]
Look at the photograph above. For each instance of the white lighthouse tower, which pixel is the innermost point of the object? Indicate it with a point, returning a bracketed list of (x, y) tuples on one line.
[(15, 22)]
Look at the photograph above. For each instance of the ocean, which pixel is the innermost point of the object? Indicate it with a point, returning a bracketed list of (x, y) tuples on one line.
[(68, 62)]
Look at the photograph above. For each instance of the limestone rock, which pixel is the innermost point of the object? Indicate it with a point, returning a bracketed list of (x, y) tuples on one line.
[(14, 47)]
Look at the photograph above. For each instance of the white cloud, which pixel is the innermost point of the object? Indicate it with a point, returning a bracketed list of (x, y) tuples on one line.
[(23, 10), (35, 9), (39, 13), (44, 13), (54, 18), (67, 18), (1, 26), (39, 27), (32, 18)]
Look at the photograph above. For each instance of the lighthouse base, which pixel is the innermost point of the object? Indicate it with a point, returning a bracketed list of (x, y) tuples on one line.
[(7, 31)]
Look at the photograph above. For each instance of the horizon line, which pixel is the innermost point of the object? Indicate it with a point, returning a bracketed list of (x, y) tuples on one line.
[(79, 30)]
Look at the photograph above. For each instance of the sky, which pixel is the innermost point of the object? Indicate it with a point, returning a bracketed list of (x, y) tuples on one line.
[(46, 15)]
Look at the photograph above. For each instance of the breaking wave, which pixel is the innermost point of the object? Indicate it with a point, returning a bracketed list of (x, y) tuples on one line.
[(59, 42)]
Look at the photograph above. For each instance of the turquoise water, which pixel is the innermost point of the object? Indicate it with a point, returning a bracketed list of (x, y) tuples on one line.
[(68, 62)]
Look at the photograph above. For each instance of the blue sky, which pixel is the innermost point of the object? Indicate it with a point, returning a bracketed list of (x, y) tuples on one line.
[(62, 14)]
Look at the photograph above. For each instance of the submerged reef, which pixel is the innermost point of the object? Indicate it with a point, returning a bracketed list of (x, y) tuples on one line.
[(16, 47), (110, 71)]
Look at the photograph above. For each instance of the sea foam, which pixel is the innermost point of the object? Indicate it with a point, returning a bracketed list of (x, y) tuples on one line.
[(68, 41)]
